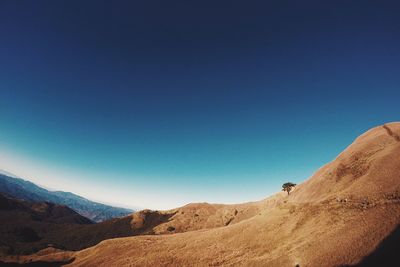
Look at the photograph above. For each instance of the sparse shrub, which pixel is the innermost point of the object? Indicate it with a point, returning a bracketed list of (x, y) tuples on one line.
[(288, 187)]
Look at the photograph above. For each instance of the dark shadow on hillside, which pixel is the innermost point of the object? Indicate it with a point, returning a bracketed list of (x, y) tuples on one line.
[(36, 263), (150, 220), (386, 254), (23, 235)]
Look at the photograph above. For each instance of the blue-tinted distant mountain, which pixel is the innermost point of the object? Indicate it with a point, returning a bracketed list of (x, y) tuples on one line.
[(22, 189), (8, 173)]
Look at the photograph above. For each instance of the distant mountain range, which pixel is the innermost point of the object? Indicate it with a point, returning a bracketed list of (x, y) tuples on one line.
[(22, 189)]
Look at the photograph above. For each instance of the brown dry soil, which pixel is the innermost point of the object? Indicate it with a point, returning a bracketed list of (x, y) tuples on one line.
[(347, 213)]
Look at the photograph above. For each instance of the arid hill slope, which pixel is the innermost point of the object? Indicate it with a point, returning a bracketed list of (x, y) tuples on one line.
[(368, 168), (62, 228), (198, 216), (337, 217), (27, 227)]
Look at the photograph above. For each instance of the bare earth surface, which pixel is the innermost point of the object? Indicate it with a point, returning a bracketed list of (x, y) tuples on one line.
[(337, 217)]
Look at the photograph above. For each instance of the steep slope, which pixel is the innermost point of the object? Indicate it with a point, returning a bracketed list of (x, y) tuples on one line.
[(26, 190), (24, 225), (43, 210), (27, 227), (338, 217), (369, 168)]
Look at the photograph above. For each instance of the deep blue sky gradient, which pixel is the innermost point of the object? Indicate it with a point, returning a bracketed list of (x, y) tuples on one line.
[(216, 98)]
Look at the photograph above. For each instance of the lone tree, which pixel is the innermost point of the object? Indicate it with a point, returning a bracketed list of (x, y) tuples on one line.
[(288, 187)]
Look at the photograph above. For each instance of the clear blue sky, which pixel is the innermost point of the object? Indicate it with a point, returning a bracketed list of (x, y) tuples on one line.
[(160, 103)]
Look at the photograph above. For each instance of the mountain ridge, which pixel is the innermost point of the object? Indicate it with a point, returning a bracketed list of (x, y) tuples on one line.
[(23, 189)]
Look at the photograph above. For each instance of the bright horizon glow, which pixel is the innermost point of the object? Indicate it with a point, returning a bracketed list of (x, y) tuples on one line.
[(58, 179), (54, 179), (136, 197)]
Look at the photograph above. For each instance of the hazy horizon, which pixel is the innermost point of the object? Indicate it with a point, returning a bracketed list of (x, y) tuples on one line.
[(157, 105), (53, 181)]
